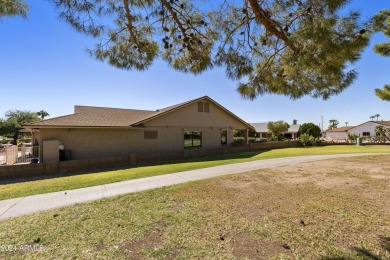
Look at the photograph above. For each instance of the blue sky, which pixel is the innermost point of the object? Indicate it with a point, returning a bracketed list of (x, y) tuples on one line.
[(43, 65)]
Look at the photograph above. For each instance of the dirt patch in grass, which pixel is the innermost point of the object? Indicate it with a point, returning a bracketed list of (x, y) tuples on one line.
[(368, 175), (247, 247), (333, 209), (150, 240)]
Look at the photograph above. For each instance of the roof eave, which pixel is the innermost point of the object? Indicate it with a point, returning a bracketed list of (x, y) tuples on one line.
[(80, 127)]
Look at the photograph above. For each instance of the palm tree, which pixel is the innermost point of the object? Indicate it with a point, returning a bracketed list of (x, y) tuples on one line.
[(377, 115), (333, 123), (295, 121), (372, 118), (42, 114)]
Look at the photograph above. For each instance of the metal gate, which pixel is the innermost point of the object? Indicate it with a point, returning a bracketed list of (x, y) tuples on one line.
[(10, 155)]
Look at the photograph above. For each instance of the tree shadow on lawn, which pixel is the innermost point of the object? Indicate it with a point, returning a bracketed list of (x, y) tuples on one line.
[(364, 253), (385, 243), (206, 158)]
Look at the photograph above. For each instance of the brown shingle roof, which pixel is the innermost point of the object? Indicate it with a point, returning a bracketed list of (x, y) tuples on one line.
[(97, 117), (86, 116), (386, 123), (340, 129)]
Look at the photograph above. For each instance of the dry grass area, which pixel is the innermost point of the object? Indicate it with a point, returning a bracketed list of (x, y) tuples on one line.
[(333, 209)]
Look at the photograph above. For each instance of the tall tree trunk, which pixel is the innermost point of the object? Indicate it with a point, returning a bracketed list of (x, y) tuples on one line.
[(15, 137)]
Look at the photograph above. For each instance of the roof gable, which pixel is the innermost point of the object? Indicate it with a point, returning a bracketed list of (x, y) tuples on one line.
[(87, 116), (164, 111)]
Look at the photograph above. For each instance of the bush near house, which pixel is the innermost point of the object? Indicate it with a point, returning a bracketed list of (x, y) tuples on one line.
[(310, 129), (276, 129), (306, 139), (352, 138)]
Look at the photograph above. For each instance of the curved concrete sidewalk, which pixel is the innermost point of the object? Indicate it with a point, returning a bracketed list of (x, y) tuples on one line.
[(26, 205)]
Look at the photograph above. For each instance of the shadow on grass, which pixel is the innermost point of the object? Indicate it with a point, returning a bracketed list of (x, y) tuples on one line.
[(208, 158), (361, 252), (364, 253), (385, 243)]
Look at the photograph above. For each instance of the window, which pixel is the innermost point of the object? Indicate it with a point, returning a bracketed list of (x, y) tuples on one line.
[(203, 107), (223, 137), (366, 134), (206, 108), (150, 135), (192, 139), (200, 106)]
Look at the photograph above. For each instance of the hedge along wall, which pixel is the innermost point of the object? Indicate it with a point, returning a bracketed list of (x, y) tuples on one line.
[(90, 165)]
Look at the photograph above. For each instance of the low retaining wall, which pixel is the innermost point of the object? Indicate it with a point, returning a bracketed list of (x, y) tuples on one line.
[(90, 165)]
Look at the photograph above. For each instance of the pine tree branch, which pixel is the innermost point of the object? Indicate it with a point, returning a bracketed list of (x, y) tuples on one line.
[(130, 22), (272, 26), (174, 16)]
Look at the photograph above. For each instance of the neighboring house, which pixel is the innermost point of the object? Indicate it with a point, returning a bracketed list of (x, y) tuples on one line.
[(366, 129), (262, 130), (292, 131), (96, 132), (338, 134)]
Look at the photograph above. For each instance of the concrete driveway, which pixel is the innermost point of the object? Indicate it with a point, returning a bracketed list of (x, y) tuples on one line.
[(31, 204)]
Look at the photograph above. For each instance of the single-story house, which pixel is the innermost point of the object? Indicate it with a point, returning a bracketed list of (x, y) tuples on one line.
[(338, 134), (262, 130), (97, 132), (366, 129)]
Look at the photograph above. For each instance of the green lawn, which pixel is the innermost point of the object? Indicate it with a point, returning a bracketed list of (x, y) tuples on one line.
[(21, 189), (305, 211)]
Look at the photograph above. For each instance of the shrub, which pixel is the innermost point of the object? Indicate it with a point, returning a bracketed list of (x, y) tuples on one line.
[(261, 140), (306, 139), (310, 129), (239, 140), (276, 129), (352, 137)]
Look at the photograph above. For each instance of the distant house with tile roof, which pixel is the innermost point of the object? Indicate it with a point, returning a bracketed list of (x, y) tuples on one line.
[(96, 132), (262, 130), (365, 130), (338, 134)]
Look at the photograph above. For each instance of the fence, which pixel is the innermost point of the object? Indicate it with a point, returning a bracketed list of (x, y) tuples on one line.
[(2, 155), (90, 165), (10, 155)]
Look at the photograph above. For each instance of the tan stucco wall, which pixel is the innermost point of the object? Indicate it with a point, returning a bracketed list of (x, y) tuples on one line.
[(94, 143), (50, 151), (189, 116), (336, 136)]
